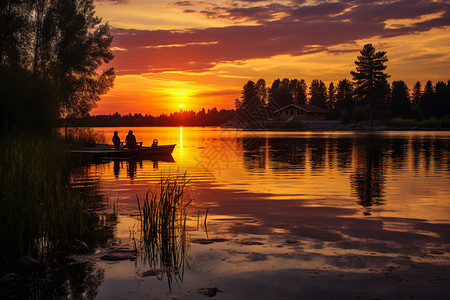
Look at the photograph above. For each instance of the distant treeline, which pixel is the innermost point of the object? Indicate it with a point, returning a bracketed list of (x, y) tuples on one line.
[(394, 100), (210, 117), (369, 96)]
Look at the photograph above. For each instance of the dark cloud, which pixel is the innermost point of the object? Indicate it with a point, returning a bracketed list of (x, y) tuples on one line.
[(250, 1), (261, 14), (183, 3), (303, 29), (320, 10), (405, 9), (114, 1)]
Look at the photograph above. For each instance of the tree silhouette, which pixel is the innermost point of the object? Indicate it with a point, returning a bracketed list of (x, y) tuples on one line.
[(400, 103), (416, 93), (344, 96), (331, 101), (369, 177), (261, 91), (271, 104), (249, 95), (318, 92), (370, 76), (301, 95), (427, 101), (62, 42), (280, 94), (442, 95)]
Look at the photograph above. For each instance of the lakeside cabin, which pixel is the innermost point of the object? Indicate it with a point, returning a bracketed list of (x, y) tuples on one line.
[(301, 112)]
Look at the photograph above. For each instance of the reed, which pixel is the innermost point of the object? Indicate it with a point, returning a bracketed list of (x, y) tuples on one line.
[(80, 135), (39, 213), (163, 215)]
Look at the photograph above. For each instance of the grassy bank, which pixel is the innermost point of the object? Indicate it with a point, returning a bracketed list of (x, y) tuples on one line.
[(413, 123), (39, 213)]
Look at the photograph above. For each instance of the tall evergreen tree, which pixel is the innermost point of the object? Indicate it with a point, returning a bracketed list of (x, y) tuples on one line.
[(400, 103), (261, 91), (285, 82), (427, 101), (318, 93), (279, 94), (331, 101), (416, 93), (282, 96), (302, 94), (344, 96), (442, 101), (369, 76), (271, 104), (249, 95)]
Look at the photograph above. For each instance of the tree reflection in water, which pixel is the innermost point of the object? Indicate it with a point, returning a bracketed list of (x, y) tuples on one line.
[(364, 157), (368, 179)]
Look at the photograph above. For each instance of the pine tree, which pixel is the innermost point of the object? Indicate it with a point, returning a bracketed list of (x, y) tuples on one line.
[(369, 76), (344, 96), (249, 95), (416, 93), (261, 91), (401, 105), (318, 92), (331, 96)]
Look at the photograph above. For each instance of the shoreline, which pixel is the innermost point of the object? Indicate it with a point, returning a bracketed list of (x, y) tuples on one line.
[(322, 129)]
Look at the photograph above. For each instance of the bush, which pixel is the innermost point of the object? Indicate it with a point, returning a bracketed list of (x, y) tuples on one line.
[(417, 113), (427, 123), (28, 102), (385, 115)]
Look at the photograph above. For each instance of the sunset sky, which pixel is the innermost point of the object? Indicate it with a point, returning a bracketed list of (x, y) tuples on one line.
[(200, 53)]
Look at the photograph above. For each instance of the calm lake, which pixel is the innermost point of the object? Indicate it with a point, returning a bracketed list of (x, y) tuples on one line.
[(289, 215)]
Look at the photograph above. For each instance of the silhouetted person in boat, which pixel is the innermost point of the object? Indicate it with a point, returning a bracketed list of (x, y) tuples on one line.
[(116, 140), (131, 140)]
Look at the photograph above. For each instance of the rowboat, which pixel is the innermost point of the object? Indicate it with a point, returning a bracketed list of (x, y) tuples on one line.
[(103, 150)]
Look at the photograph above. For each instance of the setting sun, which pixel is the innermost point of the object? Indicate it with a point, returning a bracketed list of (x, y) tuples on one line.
[(180, 106)]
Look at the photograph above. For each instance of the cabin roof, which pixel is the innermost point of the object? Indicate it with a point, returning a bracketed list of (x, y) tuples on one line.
[(306, 107)]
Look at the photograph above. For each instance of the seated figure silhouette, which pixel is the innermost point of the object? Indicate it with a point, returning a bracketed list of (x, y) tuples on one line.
[(131, 140), (116, 140)]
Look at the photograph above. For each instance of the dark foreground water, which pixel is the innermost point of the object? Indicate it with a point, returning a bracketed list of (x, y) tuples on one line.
[(289, 216)]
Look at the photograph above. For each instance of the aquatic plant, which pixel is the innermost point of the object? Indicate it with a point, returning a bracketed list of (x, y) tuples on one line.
[(163, 215), (39, 213), (80, 135)]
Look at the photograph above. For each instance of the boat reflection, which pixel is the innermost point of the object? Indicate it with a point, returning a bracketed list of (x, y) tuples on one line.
[(131, 164)]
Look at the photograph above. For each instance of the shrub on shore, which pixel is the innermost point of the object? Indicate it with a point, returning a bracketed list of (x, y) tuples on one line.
[(425, 123)]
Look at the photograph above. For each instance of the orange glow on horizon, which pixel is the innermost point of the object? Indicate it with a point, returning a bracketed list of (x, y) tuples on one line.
[(170, 57)]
